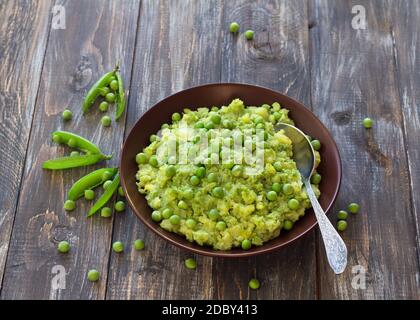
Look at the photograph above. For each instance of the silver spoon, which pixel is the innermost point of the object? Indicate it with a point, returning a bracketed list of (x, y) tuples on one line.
[(304, 156)]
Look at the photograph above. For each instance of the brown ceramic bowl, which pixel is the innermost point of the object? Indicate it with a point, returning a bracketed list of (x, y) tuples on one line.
[(221, 94)]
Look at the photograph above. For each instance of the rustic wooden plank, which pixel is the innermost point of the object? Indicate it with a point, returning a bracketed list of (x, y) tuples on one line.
[(276, 58), (97, 34), (353, 76), (178, 46), (24, 33), (405, 16)]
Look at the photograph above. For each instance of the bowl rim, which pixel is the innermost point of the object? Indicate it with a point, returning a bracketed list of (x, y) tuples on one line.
[(228, 254)]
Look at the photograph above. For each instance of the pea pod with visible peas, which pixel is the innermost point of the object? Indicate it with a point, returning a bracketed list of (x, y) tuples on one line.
[(96, 89), (105, 196), (90, 181), (120, 96), (75, 141)]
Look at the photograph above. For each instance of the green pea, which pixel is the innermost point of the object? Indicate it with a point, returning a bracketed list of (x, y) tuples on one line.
[(200, 172), (106, 184), (139, 244), (276, 187), (277, 115), (104, 91), (194, 180), (276, 106), (341, 225), (141, 158), (191, 223), (254, 284), (103, 106), (182, 205), (106, 121), (112, 78), (113, 85), (353, 207), (367, 123), (227, 124), (153, 138), (72, 143), (209, 125), (288, 225), (215, 118), (121, 192), (119, 206), (118, 246), (249, 34), (246, 244), (190, 263), (63, 247), (107, 175), (156, 216), (89, 194), (342, 215), (316, 144), (67, 115), (170, 171), (106, 212), (110, 97), (176, 116), (288, 189), (221, 225), (214, 214), (293, 204), (164, 126), (153, 161), (175, 219), (212, 177), (74, 153), (218, 192), (93, 275), (199, 125), (69, 205), (236, 170), (316, 178), (188, 194), (260, 126), (234, 27), (258, 119), (167, 213), (277, 165), (271, 195), (56, 138)]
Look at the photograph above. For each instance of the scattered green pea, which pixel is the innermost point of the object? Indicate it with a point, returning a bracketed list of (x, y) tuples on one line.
[(106, 184), (67, 115), (121, 192), (69, 205), (170, 171), (175, 219), (110, 97), (156, 216), (341, 225), (119, 206), (221, 225), (367, 123), (254, 284), (316, 144), (106, 212), (200, 172), (141, 158), (249, 34), (103, 106), (194, 180), (209, 125), (106, 121), (288, 189), (212, 177), (190, 263), (277, 165), (271, 195), (214, 214), (191, 223), (118, 246), (246, 244), (288, 225), (114, 85), (293, 204), (236, 170), (139, 244), (167, 213), (215, 118), (316, 178), (89, 194), (182, 205), (153, 138), (353, 208), (342, 215), (74, 153), (93, 275), (153, 161), (234, 27), (176, 116), (276, 187), (218, 192), (63, 247)]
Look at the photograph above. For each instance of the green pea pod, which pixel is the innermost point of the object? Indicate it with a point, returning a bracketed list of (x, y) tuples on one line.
[(81, 143), (94, 91), (120, 97), (89, 181), (74, 161), (105, 196)]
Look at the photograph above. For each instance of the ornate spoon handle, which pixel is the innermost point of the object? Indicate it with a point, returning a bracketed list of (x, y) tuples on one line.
[(334, 246)]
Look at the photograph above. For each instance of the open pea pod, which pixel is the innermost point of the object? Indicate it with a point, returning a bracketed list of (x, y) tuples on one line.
[(120, 97), (90, 181), (76, 141), (74, 161), (105, 196)]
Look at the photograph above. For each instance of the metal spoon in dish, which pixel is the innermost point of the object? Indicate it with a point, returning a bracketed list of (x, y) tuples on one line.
[(303, 155)]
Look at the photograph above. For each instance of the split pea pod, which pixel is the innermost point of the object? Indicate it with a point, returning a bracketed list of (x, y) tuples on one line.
[(95, 90), (110, 190), (74, 161), (120, 97), (90, 181), (75, 141)]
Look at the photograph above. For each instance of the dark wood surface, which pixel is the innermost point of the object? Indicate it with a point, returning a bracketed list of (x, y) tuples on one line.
[(306, 49)]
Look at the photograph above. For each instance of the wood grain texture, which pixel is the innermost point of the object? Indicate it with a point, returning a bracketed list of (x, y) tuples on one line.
[(353, 76), (178, 46), (96, 36), (24, 34), (277, 58), (405, 16)]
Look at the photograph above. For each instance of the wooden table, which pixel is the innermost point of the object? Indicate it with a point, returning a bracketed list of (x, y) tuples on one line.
[(305, 49)]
